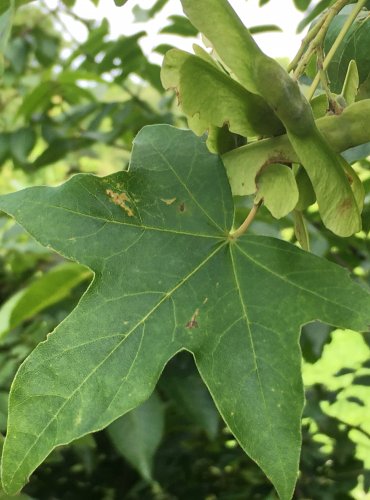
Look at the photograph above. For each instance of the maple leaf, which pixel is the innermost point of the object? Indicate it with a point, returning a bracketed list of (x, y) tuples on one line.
[(169, 277)]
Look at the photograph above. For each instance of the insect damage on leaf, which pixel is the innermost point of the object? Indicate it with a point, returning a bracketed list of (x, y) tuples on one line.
[(193, 322), (120, 199)]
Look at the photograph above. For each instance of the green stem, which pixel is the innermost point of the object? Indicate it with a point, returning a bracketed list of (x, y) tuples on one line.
[(316, 38), (248, 221), (333, 106), (308, 38), (343, 32)]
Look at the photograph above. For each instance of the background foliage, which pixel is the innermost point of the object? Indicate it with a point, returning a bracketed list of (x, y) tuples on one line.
[(68, 107)]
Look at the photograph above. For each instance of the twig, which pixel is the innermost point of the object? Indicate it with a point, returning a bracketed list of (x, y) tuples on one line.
[(314, 38)]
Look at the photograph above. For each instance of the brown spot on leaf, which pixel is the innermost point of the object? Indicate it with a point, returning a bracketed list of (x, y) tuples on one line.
[(120, 199), (182, 207), (345, 205), (193, 321)]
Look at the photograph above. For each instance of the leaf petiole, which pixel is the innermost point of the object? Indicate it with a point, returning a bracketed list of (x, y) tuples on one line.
[(248, 221)]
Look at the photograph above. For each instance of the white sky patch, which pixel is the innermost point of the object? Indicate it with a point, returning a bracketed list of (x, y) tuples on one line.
[(278, 12)]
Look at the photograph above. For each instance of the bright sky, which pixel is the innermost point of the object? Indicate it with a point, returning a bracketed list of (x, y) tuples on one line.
[(280, 12)]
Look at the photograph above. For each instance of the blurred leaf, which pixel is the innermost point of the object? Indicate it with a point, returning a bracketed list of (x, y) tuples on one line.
[(5, 5), (364, 90), (50, 288), (120, 3), (46, 46), (358, 153), (138, 434), (182, 384), (315, 12), (180, 25), (4, 147), (76, 75), (38, 98), (162, 48), (124, 54), (6, 18), (302, 4), (143, 15), (264, 28), (22, 143), (58, 149), (17, 53)]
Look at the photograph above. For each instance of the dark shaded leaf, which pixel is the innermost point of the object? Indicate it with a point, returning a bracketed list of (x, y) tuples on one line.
[(138, 434)]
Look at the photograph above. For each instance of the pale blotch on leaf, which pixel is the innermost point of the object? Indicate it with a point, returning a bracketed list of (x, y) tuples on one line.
[(120, 199), (168, 202)]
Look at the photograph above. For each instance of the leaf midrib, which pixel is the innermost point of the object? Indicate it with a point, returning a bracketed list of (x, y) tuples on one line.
[(248, 324), (127, 224)]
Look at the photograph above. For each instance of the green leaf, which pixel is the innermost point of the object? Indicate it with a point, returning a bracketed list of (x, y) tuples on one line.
[(4, 147), (357, 153), (143, 15), (264, 28), (5, 5), (58, 149), (170, 277), (38, 98), (364, 90), (355, 46), (138, 434), (17, 54), (69, 3), (351, 83), (46, 47), (181, 26), (49, 289), (320, 106), (6, 18), (313, 14), (302, 4), (306, 193), (214, 98), (216, 20), (277, 188), (22, 142), (120, 3)]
